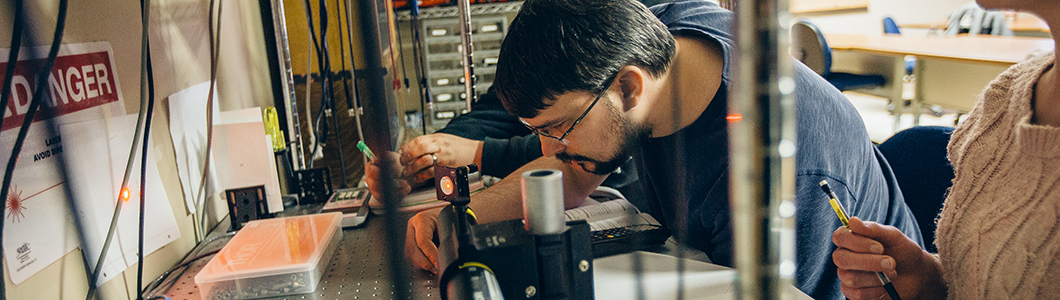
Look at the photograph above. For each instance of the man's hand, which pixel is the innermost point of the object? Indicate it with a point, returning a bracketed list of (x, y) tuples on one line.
[(419, 241), (500, 202), (419, 156), (868, 247), (374, 178)]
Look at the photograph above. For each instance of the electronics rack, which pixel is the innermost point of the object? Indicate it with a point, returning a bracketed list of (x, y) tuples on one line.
[(444, 70)]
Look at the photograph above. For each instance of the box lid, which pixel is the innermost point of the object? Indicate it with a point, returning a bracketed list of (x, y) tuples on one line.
[(273, 246)]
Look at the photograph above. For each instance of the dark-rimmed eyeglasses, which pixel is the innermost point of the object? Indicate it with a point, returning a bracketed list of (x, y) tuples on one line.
[(563, 138)]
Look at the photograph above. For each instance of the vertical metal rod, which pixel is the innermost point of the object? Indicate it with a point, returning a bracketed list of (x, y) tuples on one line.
[(463, 8), (762, 152), (294, 129), (378, 137)]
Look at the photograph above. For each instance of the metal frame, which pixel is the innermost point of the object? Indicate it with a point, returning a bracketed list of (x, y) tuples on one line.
[(763, 151), (275, 29)]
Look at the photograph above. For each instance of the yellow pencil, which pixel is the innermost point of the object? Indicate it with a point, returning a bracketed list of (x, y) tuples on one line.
[(842, 213)]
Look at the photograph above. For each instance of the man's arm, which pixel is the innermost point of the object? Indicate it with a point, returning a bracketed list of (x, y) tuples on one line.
[(503, 201), (487, 119), (501, 157)]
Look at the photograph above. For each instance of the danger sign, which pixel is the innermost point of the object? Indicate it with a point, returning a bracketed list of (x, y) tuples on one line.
[(77, 82)]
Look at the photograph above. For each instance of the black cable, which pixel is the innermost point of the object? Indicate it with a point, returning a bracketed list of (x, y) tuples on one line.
[(38, 97), (179, 266), (186, 260), (401, 50), (331, 91), (414, 11), (141, 116), (419, 64), (145, 14), (342, 59), (196, 258), (325, 63), (12, 61), (324, 66), (312, 31), (143, 178), (346, 87)]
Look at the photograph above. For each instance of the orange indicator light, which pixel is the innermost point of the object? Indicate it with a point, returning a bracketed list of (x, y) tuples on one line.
[(447, 185)]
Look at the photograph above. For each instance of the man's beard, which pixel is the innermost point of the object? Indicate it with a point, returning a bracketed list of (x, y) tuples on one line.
[(630, 137)]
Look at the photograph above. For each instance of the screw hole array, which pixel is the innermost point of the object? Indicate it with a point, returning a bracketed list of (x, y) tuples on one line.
[(358, 270)]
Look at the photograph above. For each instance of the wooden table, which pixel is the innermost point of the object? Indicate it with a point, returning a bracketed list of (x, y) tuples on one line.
[(950, 71)]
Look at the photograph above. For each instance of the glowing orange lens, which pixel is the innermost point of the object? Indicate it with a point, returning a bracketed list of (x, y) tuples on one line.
[(734, 118), (125, 194), (447, 185)]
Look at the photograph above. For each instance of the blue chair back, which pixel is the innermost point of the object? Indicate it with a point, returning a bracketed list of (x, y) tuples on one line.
[(809, 46), (918, 158), (890, 27)]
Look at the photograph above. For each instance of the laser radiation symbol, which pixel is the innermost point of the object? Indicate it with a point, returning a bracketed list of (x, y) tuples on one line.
[(14, 204)]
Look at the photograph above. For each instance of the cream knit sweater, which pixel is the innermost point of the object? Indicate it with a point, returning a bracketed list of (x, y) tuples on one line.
[(999, 230)]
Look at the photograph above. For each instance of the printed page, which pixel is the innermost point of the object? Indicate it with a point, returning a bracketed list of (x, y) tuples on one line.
[(602, 211)]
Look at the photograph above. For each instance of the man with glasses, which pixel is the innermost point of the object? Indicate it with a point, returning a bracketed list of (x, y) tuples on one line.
[(489, 137), (606, 81)]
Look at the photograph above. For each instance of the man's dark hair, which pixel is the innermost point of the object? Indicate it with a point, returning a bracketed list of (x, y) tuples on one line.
[(559, 46)]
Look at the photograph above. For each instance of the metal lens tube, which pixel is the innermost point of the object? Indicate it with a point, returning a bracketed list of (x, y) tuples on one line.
[(474, 281), (543, 202)]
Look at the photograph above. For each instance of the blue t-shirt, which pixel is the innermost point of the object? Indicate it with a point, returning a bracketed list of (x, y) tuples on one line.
[(686, 174)]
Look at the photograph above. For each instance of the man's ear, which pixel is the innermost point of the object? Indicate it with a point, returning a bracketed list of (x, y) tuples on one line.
[(631, 82)]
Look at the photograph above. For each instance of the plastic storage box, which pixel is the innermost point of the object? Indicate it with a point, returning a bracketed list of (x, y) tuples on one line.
[(273, 257)]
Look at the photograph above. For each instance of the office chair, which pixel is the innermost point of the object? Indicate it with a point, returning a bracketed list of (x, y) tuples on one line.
[(918, 158), (890, 27), (973, 19), (809, 46)]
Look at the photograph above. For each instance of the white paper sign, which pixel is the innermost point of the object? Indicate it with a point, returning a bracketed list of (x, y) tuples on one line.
[(244, 155), (39, 228), (187, 129)]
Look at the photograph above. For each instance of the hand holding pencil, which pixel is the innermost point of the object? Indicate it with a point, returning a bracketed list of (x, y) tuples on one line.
[(866, 249)]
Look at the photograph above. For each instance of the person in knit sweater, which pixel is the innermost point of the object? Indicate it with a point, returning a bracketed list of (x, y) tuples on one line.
[(999, 230)]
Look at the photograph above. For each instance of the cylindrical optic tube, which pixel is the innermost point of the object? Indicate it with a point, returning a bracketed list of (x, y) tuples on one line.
[(543, 202)]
